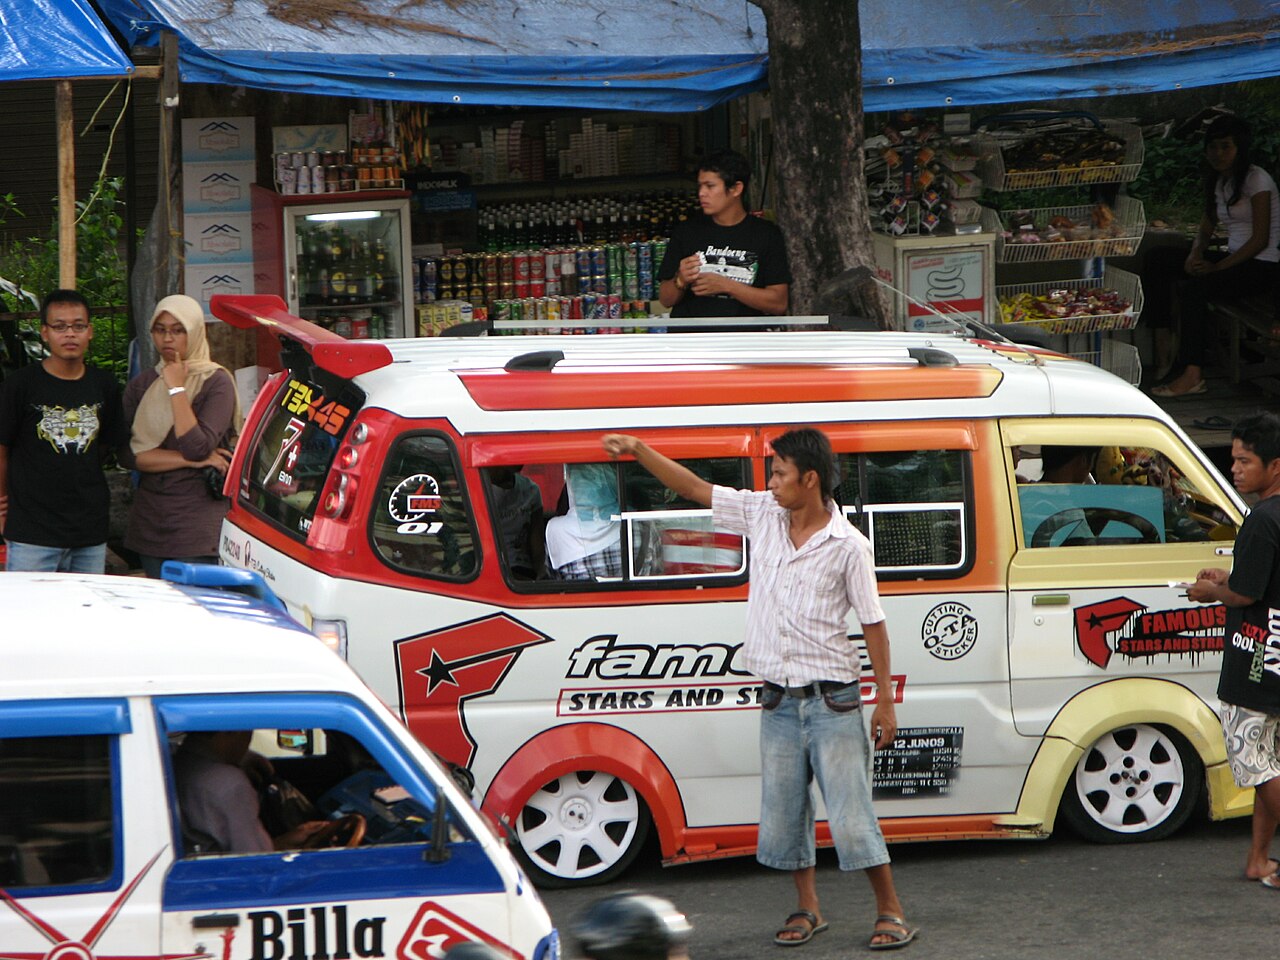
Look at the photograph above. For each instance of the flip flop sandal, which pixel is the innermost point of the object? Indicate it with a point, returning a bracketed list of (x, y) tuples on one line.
[(1166, 393), (898, 939), (1215, 422), (1275, 868), (807, 932), (1271, 882)]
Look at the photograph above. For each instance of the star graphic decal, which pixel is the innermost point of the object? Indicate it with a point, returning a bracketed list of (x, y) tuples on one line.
[(66, 948)]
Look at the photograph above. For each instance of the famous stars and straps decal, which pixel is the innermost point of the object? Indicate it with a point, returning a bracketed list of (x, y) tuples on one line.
[(1132, 630), (67, 948), (441, 670)]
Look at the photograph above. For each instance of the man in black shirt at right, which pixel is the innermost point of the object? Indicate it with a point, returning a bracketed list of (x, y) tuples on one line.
[(726, 263), (1249, 686)]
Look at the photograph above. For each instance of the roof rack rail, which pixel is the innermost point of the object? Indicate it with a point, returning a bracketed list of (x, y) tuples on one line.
[(537, 360), (932, 357)]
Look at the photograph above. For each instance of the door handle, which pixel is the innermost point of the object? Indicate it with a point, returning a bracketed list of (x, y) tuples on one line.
[(1051, 600), (216, 921)]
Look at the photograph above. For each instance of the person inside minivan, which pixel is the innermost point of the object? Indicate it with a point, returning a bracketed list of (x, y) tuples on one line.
[(584, 543)]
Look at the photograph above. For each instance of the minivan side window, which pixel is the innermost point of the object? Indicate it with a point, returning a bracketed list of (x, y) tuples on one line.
[(57, 820), (911, 506), (611, 523), (1071, 496), (294, 449), (422, 521)]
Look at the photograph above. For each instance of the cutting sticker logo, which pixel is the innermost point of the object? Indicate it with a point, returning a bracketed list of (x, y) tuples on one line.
[(949, 631), (440, 671)]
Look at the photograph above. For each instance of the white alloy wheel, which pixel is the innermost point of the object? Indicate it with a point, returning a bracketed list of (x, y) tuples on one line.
[(582, 828), (1136, 783)]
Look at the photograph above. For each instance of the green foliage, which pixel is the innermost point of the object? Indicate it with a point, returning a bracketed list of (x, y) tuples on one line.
[(100, 270), (1169, 183)]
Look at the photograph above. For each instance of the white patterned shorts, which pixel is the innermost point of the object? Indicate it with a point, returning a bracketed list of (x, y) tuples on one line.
[(1253, 744)]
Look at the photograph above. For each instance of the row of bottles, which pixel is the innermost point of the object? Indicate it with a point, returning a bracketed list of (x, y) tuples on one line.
[(622, 219), (337, 268)]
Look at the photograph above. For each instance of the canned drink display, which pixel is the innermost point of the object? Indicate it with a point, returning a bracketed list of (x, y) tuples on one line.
[(288, 180), (644, 256), (527, 312), (588, 301), (304, 180), (582, 261), (313, 158), (645, 290), (630, 286), (490, 268), (520, 289), (506, 267), (342, 327), (521, 266), (598, 261), (659, 252), (551, 308), (359, 328), (613, 303), (297, 159), (537, 266), (631, 258), (377, 326), (537, 288)]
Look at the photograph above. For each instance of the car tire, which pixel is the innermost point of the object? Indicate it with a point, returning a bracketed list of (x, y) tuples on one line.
[(583, 828), (1133, 784)]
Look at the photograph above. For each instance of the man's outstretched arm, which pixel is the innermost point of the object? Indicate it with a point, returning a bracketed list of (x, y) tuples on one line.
[(674, 476)]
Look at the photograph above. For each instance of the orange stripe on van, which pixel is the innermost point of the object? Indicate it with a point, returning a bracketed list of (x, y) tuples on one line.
[(718, 385)]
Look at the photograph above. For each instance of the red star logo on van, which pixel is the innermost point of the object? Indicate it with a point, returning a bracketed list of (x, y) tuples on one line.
[(440, 671), (66, 948), (1097, 621)]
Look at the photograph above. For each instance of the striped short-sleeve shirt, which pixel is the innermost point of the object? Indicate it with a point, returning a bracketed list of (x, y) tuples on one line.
[(799, 599)]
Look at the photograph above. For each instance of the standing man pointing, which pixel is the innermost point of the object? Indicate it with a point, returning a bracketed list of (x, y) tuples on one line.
[(809, 568)]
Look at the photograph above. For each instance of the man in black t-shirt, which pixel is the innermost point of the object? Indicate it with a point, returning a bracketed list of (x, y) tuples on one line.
[(725, 263), (58, 421), (1249, 686)]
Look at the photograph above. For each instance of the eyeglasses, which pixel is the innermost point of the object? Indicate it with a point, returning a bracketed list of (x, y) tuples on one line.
[(64, 327), (162, 332)]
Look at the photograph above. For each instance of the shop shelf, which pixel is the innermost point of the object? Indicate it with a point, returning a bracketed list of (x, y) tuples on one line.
[(1130, 220), (991, 165), (1122, 281)]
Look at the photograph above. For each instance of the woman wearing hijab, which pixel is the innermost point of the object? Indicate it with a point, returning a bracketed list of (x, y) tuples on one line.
[(184, 416)]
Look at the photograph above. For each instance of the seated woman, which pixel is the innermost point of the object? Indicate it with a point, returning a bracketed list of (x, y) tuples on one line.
[(584, 543), (1242, 197)]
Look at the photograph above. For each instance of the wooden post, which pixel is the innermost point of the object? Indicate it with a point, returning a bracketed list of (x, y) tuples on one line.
[(66, 187), (170, 262)]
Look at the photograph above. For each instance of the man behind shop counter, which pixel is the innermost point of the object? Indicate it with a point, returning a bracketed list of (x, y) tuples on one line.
[(725, 263)]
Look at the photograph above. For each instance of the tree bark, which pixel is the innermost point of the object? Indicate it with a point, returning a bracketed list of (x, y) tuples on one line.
[(815, 82)]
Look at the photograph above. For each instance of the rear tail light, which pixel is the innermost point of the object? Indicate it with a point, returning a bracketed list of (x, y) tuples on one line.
[(333, 634), (340, 489)]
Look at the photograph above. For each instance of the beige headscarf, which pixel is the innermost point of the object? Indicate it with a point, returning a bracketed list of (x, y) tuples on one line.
[(154, 418)]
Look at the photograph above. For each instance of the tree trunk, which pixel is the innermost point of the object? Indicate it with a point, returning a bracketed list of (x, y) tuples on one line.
[(815, 82)]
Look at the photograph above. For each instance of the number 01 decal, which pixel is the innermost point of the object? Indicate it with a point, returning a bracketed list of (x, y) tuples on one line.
[(413, 503)]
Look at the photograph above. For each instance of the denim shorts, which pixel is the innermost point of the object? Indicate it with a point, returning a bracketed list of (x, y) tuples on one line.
[(818, 738), (37, 559)]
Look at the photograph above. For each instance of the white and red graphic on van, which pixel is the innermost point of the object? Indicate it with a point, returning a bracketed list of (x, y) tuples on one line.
[(66, 948), (435, 930), (441, 670), (1132, 630)]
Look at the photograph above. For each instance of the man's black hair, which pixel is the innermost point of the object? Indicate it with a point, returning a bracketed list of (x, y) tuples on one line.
[(1261, 434), (809, 449), (62, 296), (1056, 457), (731, 167)]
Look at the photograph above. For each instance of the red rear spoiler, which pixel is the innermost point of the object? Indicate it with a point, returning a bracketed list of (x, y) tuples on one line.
[(338, 355)]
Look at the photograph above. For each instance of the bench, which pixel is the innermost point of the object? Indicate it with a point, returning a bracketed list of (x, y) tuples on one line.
[(1251, 325)]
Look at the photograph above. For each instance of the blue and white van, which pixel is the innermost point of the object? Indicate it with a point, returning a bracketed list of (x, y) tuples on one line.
[(105, 676)]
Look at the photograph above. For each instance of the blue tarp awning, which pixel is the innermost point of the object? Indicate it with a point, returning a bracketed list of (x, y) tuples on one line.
[(680, 55), (56, 40)]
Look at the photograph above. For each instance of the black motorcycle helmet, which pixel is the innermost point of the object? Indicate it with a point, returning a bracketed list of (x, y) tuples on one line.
[(630, 926)]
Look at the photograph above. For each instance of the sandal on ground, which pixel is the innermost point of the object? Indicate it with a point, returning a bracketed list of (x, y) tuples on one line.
[(807, 930), (898, 938), (1168, 393), (1273, 866), (1215, 422), (1271, 881)]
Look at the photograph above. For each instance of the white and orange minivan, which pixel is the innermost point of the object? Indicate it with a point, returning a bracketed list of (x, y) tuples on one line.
[(1045, 658)]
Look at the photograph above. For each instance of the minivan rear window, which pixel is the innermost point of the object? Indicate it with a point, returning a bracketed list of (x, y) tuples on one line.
[(294, 450)]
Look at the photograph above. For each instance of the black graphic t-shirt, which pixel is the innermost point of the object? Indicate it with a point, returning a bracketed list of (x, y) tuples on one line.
[(751, 252), (1251, 648), (59, 434)]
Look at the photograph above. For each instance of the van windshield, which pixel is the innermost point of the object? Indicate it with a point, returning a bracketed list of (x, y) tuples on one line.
[(292, 453)]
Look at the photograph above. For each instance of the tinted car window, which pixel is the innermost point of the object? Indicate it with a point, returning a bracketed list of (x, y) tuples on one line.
[(57, 827)]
